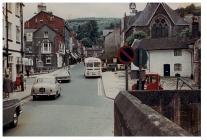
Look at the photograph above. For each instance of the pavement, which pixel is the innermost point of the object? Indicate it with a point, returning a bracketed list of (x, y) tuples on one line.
[(113, 83)]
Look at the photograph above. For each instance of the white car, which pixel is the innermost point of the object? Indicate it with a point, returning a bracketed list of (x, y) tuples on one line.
[(45, 86), (62, 75)]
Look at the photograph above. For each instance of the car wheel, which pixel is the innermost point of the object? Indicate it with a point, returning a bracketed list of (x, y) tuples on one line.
[(15, 120)]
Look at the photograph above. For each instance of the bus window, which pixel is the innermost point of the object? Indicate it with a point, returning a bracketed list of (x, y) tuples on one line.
[(97, 64), (89, 65)]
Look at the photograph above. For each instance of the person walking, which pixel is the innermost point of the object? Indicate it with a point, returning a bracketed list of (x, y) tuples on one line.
[(7, 86), (18, 81), (22, 81)]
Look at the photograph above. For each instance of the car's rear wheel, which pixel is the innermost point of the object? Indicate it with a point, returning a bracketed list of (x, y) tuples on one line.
[(15, 120)]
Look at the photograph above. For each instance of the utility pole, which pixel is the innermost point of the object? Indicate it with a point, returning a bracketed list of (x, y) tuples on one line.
[(22, 34), (6, 38)]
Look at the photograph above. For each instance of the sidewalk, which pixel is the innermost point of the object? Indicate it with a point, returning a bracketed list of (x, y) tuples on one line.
[(21, 94), (113, 83)]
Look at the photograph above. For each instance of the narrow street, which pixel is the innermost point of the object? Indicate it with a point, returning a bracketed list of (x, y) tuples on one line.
[(81, 110)]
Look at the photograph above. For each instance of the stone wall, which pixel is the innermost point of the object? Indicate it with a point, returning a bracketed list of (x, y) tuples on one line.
[(133, 118)]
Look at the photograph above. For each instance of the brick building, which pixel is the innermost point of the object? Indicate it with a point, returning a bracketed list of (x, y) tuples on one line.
[(45, 26)]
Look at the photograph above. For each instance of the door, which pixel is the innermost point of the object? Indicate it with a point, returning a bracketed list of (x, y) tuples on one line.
[(166, 69)]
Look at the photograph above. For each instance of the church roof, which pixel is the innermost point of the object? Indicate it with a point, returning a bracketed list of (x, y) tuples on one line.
[(146, 15)]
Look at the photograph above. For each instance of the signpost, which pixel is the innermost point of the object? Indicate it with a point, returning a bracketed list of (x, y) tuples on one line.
[(140, 60), (126, 55)]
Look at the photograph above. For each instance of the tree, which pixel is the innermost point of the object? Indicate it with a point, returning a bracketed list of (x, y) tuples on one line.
[(88, 33), (185, 33), (138, 35), (86, 42)]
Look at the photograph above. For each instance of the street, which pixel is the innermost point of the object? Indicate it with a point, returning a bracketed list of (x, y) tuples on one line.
[(81, 110)]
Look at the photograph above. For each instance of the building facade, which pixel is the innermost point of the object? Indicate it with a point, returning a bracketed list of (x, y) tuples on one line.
[(166, 56), (45, 26), (112, 43), (13, 39)]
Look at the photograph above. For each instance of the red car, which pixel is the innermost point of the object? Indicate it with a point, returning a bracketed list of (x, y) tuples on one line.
[(152, 82)]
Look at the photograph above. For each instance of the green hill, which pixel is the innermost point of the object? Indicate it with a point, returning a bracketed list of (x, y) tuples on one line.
[(103, 23)]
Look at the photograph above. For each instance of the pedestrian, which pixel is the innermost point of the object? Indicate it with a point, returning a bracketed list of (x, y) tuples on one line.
[(27, 71), (7, 86), (22, 81), (18, 81)]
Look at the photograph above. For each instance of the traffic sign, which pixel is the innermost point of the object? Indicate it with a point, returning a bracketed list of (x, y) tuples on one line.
[(141, 57), (126, 55)]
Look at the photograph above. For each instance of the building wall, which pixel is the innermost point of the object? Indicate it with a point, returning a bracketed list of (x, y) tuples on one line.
[(14, 45), (157, 59), (38, 38), (112, 43)]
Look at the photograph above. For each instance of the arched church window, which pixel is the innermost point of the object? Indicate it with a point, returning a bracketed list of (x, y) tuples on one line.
[(159, 28)]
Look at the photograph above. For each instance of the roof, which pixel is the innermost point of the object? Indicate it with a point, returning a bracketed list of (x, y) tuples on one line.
[(46, 13), (160, 44), (29, 30), (48, 27), (146, 15)]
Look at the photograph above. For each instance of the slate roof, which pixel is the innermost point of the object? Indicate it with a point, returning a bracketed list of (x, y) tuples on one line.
[(146, 15), (160, 44)]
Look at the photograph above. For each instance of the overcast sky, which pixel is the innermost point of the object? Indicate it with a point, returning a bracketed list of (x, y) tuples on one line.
[(78, 10)]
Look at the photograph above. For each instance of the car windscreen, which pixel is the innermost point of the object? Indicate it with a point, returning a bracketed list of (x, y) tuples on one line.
[(45, 80), (89, 64), (97, 64)]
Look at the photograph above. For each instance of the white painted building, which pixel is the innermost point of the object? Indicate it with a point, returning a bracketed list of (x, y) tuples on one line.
[(166, 56), (12, 58)]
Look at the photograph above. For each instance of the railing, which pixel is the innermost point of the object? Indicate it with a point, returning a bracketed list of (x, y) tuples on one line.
[(183, 83)]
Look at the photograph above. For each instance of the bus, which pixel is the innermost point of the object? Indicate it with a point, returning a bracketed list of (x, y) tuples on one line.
[(92, 67)]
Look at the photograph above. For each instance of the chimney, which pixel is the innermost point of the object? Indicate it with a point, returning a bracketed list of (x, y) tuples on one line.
[(195, 27), (41, 7)]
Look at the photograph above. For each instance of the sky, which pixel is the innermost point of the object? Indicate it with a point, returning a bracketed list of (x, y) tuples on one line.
[(78, 10)]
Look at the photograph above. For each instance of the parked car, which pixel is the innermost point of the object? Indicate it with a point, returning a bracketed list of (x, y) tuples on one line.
[(11, 110), (45, 86), (111, 67), (62, 75)]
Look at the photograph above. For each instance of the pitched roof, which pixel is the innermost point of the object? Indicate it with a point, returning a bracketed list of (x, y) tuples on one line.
[(160, 44), (149, 11), (48, 27), (45, 13)]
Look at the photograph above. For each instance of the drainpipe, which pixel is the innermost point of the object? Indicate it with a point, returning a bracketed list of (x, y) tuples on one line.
[(6, 38)]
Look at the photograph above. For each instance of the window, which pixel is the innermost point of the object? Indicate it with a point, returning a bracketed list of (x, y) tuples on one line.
[(9, 30), (46, 47), (46, 34), (29, 37), (177, 67), (97, 64), (9, 7), (159, 28), (48, 60), (177, 52), (17, 9), (18, 33)]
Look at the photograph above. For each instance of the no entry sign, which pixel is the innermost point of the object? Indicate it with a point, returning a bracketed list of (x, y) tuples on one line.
[(126, 55)]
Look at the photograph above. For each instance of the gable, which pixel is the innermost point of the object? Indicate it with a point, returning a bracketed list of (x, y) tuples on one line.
[(154, 8), (161, 11)]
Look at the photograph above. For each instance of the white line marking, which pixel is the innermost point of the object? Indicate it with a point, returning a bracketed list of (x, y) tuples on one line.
[(99, 88)]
